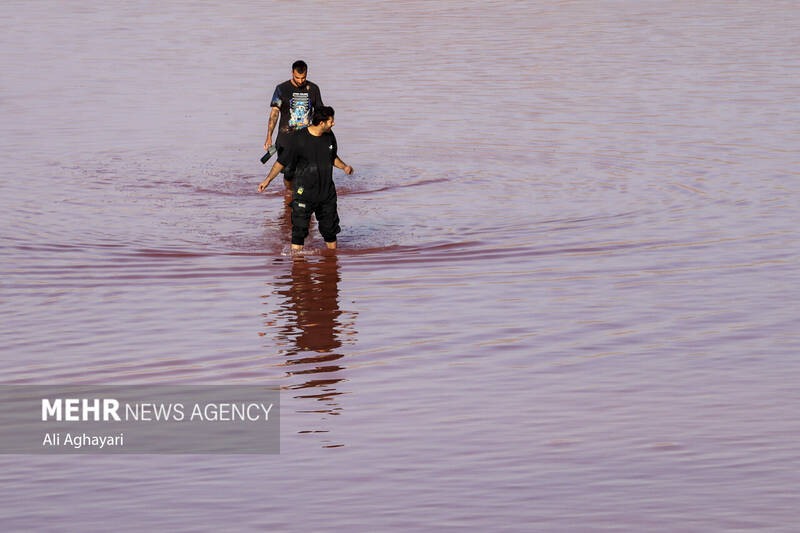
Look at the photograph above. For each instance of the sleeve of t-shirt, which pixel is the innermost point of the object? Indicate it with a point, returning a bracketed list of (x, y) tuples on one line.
[(288, 156), (276, 98), (335, 152)]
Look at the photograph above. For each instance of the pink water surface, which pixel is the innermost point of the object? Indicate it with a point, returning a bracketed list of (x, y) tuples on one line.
[(565, 294)]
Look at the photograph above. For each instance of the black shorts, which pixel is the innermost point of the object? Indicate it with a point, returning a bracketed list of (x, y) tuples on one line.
[(327, 219)]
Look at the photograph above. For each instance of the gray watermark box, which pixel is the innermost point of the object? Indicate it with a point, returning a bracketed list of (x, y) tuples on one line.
[(162, 419)]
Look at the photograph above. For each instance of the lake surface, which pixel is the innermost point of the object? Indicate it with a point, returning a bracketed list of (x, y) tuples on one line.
[(565, 297)]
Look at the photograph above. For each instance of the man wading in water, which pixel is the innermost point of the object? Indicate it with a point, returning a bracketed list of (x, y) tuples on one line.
[(312, 152), (294, 100)]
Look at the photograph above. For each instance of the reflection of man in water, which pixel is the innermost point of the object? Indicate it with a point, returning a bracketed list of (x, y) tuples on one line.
[(313, 297), (311, 320)]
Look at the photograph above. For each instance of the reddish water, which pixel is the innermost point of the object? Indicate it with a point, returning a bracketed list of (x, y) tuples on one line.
[(565, 297)]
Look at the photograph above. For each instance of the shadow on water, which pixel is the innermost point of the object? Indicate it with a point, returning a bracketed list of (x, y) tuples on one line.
[(313, 328)]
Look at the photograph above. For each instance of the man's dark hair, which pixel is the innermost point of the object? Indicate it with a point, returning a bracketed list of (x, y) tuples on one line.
[(321, 114), (299, 66)]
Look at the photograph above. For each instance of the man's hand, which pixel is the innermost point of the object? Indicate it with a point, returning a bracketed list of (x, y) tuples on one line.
[(267, 144), (274, 171), (338, 163)]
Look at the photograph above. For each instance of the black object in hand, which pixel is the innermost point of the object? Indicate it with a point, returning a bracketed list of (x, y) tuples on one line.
[(270, 152)]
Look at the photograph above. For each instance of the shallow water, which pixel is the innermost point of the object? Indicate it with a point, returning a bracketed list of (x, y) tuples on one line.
[(565, 292)]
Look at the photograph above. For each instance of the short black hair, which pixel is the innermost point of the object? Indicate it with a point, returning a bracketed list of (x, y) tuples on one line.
[(299, 66), (321, 114)]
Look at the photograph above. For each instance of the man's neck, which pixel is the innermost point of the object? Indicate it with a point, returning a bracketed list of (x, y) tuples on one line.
[(316, 131)]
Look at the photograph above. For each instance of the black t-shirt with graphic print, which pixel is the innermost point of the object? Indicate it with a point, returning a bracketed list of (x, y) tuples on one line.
[(296, 105), (312, 158)]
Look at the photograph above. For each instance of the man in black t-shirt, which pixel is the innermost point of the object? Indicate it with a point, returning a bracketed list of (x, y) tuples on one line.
[(294, 100), (313, 153)]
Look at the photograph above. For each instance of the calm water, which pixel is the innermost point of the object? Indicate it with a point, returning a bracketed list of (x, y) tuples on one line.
[(565, 295)]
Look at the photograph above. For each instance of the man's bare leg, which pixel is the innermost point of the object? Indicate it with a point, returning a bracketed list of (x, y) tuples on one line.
[(331, 245), (297, 246)]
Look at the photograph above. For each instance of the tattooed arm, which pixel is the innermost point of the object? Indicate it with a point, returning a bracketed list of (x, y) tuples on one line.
[(273, 120)]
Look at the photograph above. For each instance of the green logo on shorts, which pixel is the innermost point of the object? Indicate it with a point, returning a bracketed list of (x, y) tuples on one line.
[(299, 190)]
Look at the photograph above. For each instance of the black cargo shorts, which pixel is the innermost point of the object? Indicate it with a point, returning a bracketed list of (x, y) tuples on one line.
[(327, 219)]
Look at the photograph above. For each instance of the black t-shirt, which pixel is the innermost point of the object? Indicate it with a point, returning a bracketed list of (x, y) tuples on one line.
[(296, 105), (312, 158)]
